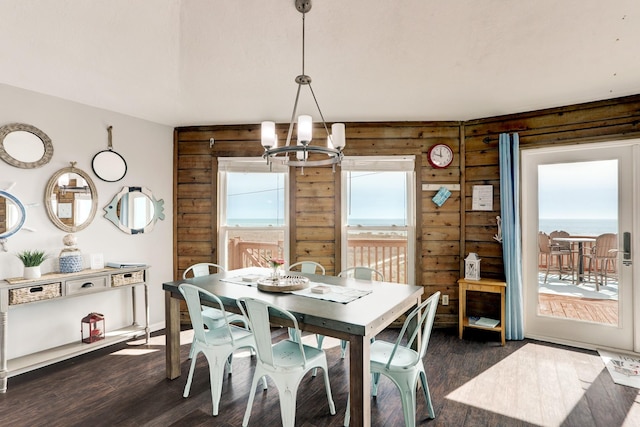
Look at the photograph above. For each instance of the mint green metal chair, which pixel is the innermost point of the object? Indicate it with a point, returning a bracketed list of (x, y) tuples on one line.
[(285, 362), (216, 344)]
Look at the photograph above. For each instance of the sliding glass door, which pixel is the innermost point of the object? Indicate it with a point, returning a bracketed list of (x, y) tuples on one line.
[(579, 209)]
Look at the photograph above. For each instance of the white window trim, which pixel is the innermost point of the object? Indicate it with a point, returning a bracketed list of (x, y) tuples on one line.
[(247, 165), (383, 164)]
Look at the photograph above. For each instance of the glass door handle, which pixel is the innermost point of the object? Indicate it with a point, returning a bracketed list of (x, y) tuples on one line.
[(626, 246)]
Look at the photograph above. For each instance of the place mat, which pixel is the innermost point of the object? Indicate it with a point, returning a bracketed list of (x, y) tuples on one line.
[(332, 293), (249, 276)]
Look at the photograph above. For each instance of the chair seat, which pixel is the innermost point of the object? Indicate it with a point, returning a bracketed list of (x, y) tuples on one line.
[(404, 358), (214, 318), (287, 353), (220, 335)]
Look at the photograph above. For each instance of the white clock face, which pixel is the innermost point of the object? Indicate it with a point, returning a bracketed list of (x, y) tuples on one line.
[(441, 155)]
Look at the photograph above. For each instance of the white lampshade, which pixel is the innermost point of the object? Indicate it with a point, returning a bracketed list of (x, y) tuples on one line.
[(305, 128), (337, 135), (268, 134)]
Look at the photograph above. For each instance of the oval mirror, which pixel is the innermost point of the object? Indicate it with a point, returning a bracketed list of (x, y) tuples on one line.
[(24, 146), (71, 199), (12, 214), (134, 210)]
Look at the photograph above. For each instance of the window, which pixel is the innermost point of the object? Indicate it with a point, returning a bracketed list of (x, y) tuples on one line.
[(378, 215), (253, 216)]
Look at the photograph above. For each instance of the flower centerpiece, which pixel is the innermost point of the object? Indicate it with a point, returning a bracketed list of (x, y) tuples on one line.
[(275, 264)]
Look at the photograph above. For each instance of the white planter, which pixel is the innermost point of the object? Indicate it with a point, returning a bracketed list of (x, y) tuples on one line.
[(32, 272)]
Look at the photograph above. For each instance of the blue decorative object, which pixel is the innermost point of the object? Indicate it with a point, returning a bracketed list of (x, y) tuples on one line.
[(70, 263), (441, 196), (70, 256)]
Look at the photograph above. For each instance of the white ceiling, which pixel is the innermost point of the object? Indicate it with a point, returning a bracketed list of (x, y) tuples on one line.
[(184, 62)]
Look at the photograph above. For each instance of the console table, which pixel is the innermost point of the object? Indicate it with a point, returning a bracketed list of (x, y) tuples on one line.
[(18, 292)]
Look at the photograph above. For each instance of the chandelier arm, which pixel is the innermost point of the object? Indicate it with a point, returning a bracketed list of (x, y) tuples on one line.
[(293, 116), (324, 123)]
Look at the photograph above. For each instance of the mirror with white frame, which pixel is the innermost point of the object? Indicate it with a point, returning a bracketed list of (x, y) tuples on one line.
[(24, 146), (134, 210), (12, 216), (71, 199)]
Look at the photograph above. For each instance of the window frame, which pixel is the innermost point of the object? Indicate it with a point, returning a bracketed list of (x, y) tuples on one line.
[(405, 163), (247, 165)]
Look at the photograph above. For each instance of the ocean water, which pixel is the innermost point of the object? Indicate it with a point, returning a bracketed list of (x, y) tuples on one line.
[(579, 227)]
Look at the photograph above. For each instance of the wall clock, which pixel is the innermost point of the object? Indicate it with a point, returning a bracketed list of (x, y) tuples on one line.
[(440, 156)]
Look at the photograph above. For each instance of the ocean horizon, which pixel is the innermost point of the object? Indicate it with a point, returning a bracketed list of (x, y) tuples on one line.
[(579, 227)]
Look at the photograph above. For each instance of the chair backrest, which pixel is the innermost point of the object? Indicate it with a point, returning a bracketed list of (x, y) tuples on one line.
[(257, 311), (362, 273), (201, 269), (192, 295), (309, 267), (606, 246), (563, 246), (543, 243), (427, 312)]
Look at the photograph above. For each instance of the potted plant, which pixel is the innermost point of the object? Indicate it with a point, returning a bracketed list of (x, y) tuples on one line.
[(32, 261)]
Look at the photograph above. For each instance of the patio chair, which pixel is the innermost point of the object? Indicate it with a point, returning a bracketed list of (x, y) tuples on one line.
[(602, 258), (403, 365), (285, 362), (554, 256), (217, 344), (212, 317)]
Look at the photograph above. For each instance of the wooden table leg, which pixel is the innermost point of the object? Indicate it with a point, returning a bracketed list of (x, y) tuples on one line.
[(172, 335), (360, 381), (462, 308)]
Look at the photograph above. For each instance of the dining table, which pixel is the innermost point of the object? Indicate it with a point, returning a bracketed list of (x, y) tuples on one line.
[(580, 240), (353, 310)]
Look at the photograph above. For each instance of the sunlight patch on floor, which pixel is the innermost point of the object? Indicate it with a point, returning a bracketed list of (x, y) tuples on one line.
[(534, 377)]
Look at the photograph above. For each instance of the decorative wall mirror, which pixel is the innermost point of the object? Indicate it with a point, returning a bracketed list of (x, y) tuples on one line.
[(107, 164), (24, 146), (12, 216), (71, 199), (134, 210)]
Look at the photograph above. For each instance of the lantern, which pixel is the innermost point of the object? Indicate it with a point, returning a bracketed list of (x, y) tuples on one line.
[(92, 327), (472, 267)]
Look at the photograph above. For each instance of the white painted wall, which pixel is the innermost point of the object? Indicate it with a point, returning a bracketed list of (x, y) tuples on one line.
[(78, 132)]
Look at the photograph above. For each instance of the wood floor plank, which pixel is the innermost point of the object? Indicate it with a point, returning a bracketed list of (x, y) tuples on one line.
[(473, 382)]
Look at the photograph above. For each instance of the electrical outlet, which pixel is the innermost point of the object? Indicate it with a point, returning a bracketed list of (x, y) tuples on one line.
[(445, 299)]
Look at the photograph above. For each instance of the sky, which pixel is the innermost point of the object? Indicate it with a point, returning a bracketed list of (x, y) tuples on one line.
[(374, 195), (581, 190)]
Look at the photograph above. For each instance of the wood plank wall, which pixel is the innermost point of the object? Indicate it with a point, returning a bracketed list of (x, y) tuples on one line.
[(444, 235)]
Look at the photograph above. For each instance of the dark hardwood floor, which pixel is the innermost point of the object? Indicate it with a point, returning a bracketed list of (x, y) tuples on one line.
[(473, 382)]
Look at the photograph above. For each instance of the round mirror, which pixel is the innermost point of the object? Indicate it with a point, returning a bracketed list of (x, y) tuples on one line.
[(71, 199), (134, 210), (12, 215), (24, 146), (109, 166)]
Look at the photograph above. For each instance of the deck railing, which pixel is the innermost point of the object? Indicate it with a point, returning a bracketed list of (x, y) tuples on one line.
[(244, 253), (389, 256)]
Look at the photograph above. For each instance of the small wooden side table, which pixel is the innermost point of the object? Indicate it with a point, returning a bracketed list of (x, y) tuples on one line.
[(482, 285)]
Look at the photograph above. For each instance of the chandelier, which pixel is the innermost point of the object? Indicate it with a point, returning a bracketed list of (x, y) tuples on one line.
[(335, 139)]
